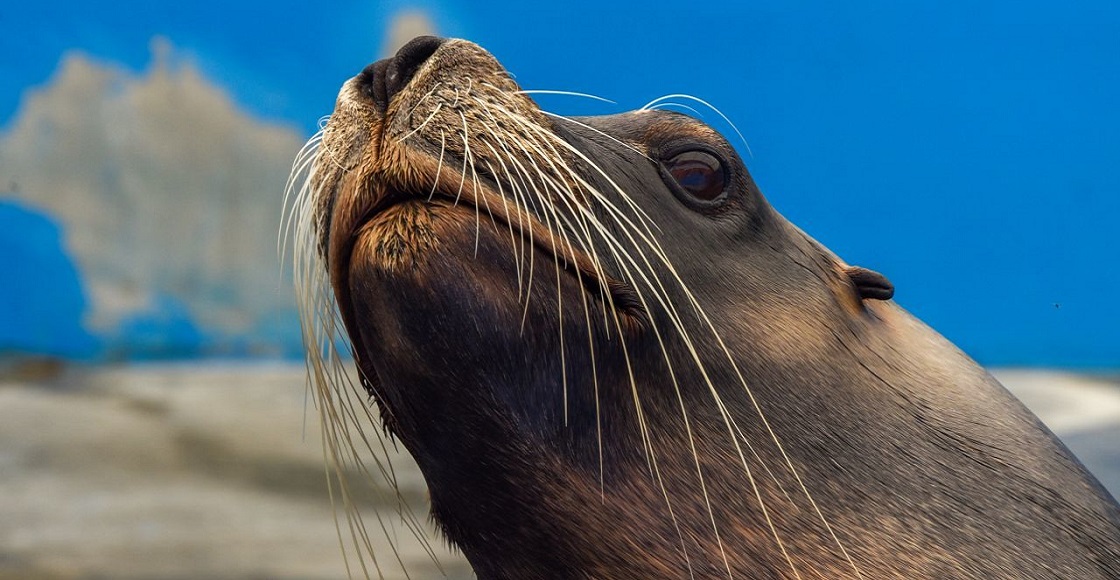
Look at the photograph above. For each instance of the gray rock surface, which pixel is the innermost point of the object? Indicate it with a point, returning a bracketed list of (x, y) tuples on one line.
[(185, 471)]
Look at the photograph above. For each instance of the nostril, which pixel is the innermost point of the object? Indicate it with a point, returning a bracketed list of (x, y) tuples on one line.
[(404, 65), (387, 77), (371, 82)]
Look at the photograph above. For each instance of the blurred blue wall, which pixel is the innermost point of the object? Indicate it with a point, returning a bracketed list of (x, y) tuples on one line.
[(967, 150), (41, 297)]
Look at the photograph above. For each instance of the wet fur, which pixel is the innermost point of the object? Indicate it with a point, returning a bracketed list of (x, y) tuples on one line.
[(686, 389)]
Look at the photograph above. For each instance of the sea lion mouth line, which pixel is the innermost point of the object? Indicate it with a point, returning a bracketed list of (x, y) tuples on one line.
[(615, 295)]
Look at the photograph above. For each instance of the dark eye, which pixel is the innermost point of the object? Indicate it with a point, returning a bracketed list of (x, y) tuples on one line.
[(699, 173)]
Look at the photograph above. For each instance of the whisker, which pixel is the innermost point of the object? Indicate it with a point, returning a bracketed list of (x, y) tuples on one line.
[(706, 104), (695, 356), (679, 106), (328, 378), (650, 449), (564, 93), (423, 124)]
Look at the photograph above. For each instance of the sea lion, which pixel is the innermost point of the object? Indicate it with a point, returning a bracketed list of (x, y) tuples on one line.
[(612, 358)]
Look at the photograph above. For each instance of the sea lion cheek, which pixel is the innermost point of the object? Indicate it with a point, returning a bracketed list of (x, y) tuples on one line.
[(782, 335)]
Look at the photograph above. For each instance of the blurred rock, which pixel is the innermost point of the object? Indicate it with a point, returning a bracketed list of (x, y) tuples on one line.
[(1084, 410), (184, 472)]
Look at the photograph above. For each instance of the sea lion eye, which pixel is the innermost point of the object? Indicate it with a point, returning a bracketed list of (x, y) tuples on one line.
[(699, 173)]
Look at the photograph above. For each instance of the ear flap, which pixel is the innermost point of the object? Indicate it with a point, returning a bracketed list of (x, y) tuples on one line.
[(869, 284)]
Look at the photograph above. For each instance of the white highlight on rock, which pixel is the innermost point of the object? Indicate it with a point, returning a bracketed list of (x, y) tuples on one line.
[(1068, 403)]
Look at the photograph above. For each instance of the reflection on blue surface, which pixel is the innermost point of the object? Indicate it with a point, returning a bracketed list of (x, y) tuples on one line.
[(41, 299)]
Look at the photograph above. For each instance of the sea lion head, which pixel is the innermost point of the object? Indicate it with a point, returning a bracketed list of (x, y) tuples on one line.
[(608, 354)]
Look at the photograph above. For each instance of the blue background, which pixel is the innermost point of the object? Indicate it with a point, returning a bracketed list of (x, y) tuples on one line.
[(967, 150)]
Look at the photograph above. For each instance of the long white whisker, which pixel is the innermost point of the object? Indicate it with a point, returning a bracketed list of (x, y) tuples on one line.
[(330, 383), (423, 124), (683, 408), (706, 104), (727, 418), (678, 105), (564, 93)]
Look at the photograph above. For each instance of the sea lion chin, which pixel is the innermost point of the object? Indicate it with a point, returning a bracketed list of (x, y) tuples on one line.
[(612, 358)]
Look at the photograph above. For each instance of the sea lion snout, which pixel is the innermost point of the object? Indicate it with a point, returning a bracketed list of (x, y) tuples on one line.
[(385, 78)]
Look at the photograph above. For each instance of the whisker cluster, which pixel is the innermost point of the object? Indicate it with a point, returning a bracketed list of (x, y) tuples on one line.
[(345, 414), (593, 226)]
